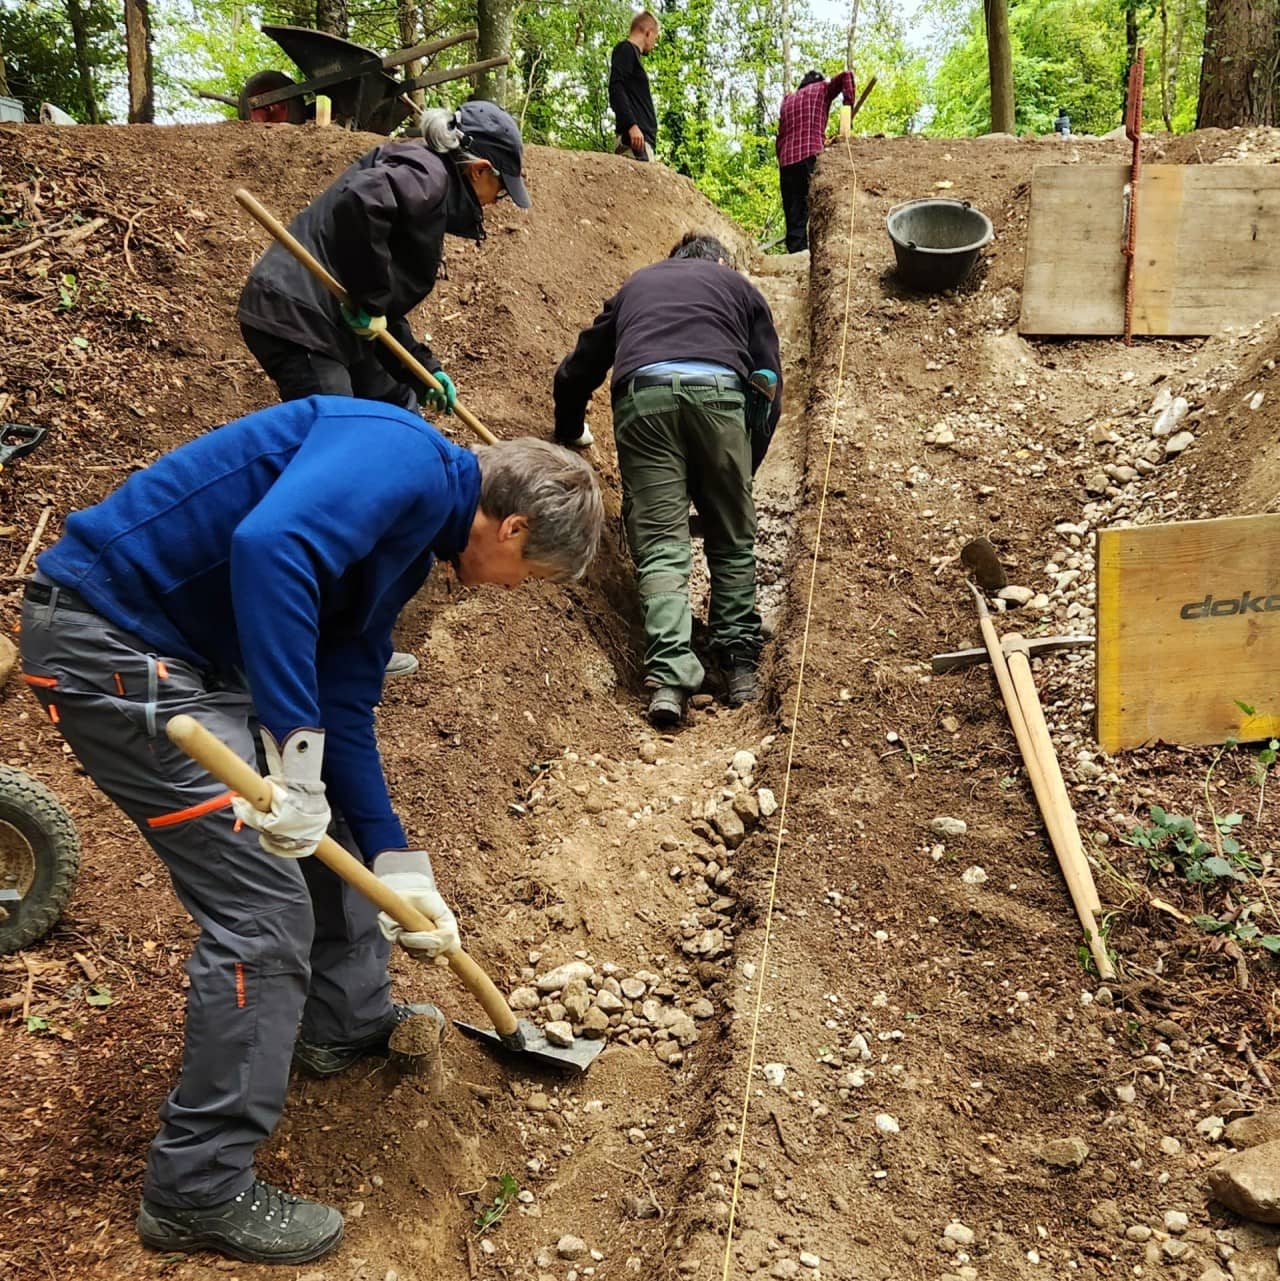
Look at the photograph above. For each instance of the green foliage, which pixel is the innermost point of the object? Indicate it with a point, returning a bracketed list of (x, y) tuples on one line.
[(508, 1190), (1173, 842), (40, 57)]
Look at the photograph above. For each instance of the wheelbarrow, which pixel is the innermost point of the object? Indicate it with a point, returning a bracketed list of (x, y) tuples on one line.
[(360, 83)]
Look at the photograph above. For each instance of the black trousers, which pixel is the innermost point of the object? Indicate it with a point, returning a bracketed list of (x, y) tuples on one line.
[(299, 372), (794, 181)]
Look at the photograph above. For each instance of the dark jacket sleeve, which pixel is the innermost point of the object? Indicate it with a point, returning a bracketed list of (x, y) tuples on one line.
[(392, 197), (583, 370), (621, 68), (765, 352)]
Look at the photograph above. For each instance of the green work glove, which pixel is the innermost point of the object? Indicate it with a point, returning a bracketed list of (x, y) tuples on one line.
[(443, 400), (366, 326)]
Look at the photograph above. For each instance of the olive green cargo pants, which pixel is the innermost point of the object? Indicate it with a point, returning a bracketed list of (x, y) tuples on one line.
[(677, 443)]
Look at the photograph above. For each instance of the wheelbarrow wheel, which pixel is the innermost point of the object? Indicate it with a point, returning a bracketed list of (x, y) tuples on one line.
[(292, 111), (39, 858)]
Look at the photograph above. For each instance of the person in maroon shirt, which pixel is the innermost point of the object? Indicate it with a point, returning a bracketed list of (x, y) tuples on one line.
[(802, 132)]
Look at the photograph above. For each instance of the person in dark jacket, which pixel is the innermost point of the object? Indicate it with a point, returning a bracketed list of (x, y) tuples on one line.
[(380, 230), (687, 338), (629, 94), (250, 578)]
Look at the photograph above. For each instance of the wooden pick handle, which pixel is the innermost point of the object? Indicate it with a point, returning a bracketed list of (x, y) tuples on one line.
[(275, 228), (211, 752)]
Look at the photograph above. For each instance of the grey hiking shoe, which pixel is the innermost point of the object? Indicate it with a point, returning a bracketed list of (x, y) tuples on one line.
[(666, 706), (320, 1058), (740, 684), (401, 664), (261, 1225)]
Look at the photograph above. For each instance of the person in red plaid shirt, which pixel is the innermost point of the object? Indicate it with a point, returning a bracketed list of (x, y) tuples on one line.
[(802, 133)]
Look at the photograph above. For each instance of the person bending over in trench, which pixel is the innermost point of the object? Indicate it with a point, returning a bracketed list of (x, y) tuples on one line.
[(380, 230), (687, 337), (250, 578)]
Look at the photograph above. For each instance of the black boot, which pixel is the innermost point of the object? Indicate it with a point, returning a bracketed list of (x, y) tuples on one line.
[(666, 706), (327, 1058), (740, 684), (261, 1225)]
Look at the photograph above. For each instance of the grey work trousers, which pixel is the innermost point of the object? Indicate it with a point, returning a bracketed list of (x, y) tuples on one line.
[(282, 942)]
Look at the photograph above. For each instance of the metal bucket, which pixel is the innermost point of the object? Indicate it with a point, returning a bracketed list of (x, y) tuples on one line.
[(936, 241)]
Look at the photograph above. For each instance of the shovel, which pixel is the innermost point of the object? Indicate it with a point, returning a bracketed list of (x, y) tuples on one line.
[(17, 440), (518, 1036)]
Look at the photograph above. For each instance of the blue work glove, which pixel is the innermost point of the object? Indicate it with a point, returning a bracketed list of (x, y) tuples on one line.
[(443, 400), (366, 326)]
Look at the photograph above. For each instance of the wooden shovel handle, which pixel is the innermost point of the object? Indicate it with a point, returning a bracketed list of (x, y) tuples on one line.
[(274, 227), (211, 752)]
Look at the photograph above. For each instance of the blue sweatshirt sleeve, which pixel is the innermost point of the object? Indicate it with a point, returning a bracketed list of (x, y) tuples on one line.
[(327, 511), (350, 676)]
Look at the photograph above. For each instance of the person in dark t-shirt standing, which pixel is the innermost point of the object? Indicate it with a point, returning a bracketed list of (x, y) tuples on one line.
[(629, 95)]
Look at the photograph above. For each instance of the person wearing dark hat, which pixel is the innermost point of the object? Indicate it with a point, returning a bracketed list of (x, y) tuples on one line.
[(380, 230)]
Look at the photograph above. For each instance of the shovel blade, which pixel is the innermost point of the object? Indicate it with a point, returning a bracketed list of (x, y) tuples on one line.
[(529, 1043)]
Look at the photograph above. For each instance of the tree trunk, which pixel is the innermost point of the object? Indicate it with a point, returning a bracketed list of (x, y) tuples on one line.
[(494, 20), (853, 35), (784, 14), (1166, 113), (1130, 49), (4, 83), (409, 20), (80, 37), (332, 16), (999, 64), (137, 36), (1241, 59)]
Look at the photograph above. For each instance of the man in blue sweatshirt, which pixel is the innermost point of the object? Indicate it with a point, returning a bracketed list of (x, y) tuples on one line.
[(251, 578)]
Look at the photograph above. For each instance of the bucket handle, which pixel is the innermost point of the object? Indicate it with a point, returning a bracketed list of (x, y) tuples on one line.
[(949, 200)]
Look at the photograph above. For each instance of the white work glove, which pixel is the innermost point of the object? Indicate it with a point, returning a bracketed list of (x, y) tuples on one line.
[(299, 813), (584, 440), (409, 873)]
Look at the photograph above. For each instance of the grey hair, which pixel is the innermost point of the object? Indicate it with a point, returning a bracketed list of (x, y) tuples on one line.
[(442, 131), (555, 490)]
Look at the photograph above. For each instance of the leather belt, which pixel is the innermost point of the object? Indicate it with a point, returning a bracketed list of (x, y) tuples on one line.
[(729, 382), (43, 593)]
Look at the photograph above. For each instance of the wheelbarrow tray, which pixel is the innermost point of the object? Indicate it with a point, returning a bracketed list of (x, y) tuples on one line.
[(353, 77)]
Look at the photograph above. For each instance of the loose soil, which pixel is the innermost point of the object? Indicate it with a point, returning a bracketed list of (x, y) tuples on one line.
[(922, 1031)]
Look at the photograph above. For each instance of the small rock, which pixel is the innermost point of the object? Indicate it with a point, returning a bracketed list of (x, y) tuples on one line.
[(538, 1102), (1170, 417), (576, 999), (1097, 482), (958, 1232), (570, 1247), (1164, 398), (1255, 401), (747, 808), (743, 764), (1174, 1249), (1170, 1146), (1065, 1154), (640, 1207), (1176, 444), (768, 802), (523, 998), (559, 1032), (775, 1073), (632, 989), (608, 1003), (1126, 1093), (1107, 1216), (554, 980), (1250, 1131), (887, 1124), (1176, 1221), (974, 875), (702, 1008), (808, 1260), (785, 1269), (669, 1052), (595, 1024), (950, 724), (1138, 1232), (1248, 1182), (649, 751), (944, 436), (726, 821), (948, 827), (1015, 595)]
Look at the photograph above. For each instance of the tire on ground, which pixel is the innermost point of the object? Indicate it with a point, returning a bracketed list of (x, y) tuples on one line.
[(39, 857)]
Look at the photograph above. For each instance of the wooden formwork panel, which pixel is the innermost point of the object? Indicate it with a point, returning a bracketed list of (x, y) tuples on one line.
[(1188, 631), (1208, 249)]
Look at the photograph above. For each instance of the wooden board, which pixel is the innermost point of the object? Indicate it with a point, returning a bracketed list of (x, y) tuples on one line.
[(1208, 249), (1189, 628)]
